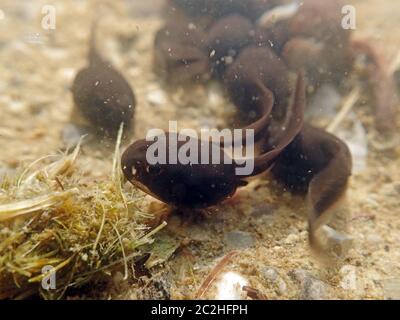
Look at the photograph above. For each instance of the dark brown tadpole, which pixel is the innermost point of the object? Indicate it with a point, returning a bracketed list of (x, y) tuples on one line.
[(258, 65), (102, 94), (226, 38), (198, 183), (181, 52), (318, 165)]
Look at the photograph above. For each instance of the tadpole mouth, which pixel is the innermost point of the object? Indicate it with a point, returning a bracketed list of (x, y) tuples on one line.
[(135, 182)]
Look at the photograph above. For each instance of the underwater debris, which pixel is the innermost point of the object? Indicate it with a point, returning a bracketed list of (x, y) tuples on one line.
[(84, 232), (230, 286)]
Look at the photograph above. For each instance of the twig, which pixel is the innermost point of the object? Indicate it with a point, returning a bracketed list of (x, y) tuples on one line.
[(116, 168), (103, 220), (348, 104), (254, 293), (123, 251), (213, 274), (59, 183), (21, 208)]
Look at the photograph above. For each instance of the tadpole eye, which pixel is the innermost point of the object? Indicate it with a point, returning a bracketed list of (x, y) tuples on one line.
[(154, 170)]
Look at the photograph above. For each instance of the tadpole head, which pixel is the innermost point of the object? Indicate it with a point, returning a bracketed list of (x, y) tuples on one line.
[(138, 170)]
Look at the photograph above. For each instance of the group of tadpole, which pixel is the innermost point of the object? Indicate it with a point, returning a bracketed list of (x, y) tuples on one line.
[(266, 53)]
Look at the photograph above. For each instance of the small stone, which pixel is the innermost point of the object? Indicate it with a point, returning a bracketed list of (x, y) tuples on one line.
[(338, 243), (238, 240), (272, 275), (17, 107), (349, 277), (68, 74), (156, 98), (277, 248), (391, 289), (374, 240), (311, 288), (291, 238), (299, 275)]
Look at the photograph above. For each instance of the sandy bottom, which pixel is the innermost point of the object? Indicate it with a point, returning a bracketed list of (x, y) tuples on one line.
[(263, 224)]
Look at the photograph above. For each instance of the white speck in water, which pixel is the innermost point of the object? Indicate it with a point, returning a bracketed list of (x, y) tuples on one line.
[(97, 83), (156, 97), (277, 14), (228, 59)]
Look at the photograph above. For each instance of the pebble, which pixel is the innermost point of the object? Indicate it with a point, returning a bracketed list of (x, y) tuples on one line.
[(349, 277), (374, 240), (68, 74), (391, 289), (156, 97), (17, 107), (339, 243), (238, 240), (311, 288), (291, 238), (272, 275)]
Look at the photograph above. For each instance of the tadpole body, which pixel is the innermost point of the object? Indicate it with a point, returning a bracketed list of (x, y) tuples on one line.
[(102, 94)]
